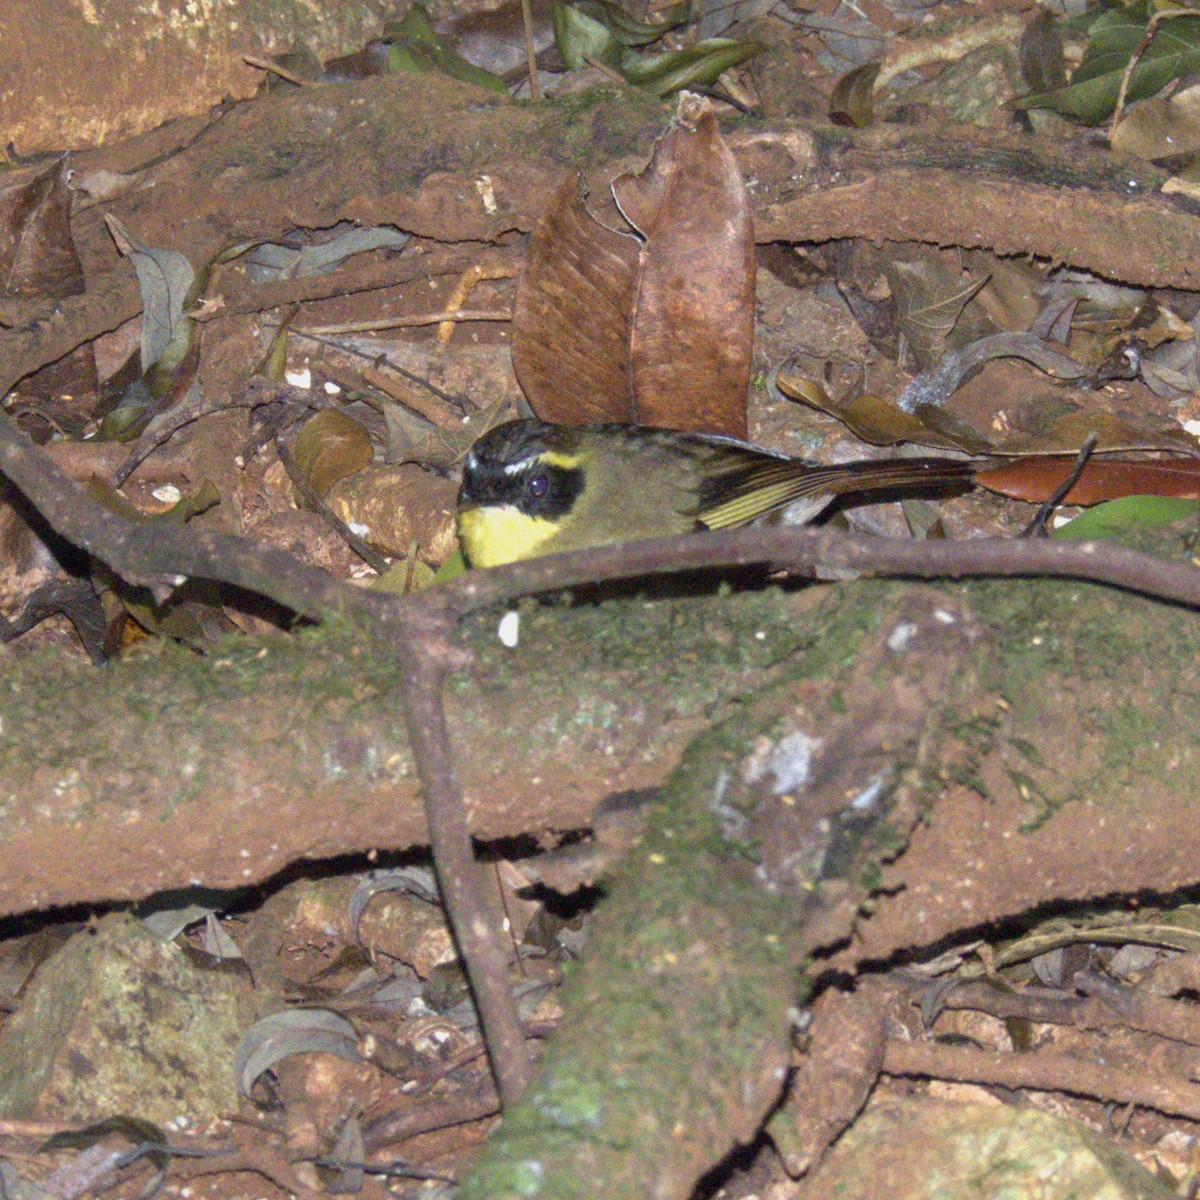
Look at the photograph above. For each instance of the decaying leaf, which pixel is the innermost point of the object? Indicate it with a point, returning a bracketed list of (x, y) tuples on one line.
[(170, 338), (1040, 53), (329, 447), (38, 258), (852, 101), (37, 252), (495, 39), (693, 326), (305, 253), (1066, 432), (934, 386), (292, 1031), (607, 328), (930, 299), (414, 438), (1161, 126), (573, 315), (100, 1157), (167, 282), (884, 423)]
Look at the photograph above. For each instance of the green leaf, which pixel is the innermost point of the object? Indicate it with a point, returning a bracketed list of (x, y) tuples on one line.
[(170, 338), (599, 32), (1115, 35), (580, 37), (852, 101), (663, 74), (628, 30), (1117, 517), (415, 46)]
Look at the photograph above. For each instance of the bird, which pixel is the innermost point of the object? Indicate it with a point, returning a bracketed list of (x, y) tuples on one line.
[(530, 487)]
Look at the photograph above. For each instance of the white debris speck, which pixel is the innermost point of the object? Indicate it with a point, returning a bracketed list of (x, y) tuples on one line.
[(900, 637), (487, 194), (867, 797), (167, 494), (300, 379), (789, 760), (509, 630)]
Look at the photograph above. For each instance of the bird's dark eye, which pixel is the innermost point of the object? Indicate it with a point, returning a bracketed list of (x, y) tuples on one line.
[(538, 485)]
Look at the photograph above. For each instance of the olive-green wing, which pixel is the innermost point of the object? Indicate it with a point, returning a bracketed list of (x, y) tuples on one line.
[(755, 486)]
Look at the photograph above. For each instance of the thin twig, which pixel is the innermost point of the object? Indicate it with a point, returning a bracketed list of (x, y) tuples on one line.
[(455, 314), (256, 394), (407, 1123), (1156, 19), (428, 655), (376, 561), (1046, 1071), (350, 279), (535, 92), (1037, 527), (265, 64), (604, 69), (380, 357)]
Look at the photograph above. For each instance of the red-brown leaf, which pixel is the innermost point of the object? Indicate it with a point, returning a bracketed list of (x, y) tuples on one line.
[(1035, 479), (693, 326), (571, 320)]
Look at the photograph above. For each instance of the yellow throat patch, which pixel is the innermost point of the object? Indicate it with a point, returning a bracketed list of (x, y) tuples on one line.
[(501, 533)]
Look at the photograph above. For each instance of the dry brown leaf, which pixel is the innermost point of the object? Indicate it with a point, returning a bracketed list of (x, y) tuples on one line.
[(571, 320), (1066, 433), (399, 505), (329, 447), (882, 422), (1036, 479), (693, 327), (660, 331)]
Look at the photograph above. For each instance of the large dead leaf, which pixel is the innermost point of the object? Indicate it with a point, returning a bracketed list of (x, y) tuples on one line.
[(693, 327), (572, 316), (38, 258), (607, 328), (37, 252), (1163, 126)]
